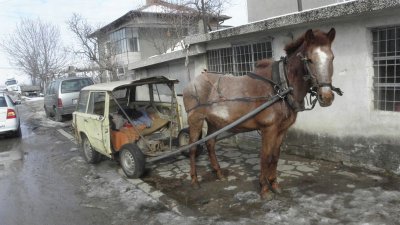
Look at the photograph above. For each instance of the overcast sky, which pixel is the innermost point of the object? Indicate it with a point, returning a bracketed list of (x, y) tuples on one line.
[(98, 12)]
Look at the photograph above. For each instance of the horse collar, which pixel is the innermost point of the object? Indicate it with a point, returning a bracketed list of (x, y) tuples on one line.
[(280, 82)]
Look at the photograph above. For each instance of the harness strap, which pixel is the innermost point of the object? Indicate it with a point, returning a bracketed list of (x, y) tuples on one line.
[(279, 82), (258, 77)]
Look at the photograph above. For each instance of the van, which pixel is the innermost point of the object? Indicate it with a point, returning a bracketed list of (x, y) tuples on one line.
[(61, 96)]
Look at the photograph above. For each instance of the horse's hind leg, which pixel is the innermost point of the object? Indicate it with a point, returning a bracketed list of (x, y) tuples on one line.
[(195, 127), (211, 154)]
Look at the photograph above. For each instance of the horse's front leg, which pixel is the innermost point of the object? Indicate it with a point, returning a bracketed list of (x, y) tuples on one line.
[(271, 142)]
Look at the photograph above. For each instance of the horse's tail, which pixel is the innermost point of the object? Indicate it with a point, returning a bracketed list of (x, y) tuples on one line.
[(197, 92)]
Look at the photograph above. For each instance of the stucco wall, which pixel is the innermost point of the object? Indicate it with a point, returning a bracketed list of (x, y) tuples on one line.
[(351, 130), (263, 9)]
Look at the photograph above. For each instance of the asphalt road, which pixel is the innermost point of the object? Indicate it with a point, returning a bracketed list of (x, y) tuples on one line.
[(45, 180)]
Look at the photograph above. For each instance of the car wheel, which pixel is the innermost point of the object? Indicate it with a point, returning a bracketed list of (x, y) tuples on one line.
[(90, 155), (183, 139), (132, 161), (57, 116), (18, 133), (46, 112)]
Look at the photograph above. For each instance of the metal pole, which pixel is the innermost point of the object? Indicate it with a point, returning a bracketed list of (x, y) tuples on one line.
[(300, 5), (274, 99)]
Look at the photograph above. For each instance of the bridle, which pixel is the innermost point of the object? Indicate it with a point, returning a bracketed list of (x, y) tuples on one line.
[(315, 84)]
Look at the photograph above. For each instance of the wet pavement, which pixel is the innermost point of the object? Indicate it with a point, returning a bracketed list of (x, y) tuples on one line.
[(45, 180), (314, 191)]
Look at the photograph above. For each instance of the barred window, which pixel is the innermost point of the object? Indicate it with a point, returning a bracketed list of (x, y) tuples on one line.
[(239, 59), (386, 56)]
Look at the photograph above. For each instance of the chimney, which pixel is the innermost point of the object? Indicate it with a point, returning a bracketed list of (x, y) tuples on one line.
[(149, 2)]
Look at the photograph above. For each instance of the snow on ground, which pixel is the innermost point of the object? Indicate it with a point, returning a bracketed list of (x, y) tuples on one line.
[(37, 114), (373, 205), (32, 99), (362, 206)]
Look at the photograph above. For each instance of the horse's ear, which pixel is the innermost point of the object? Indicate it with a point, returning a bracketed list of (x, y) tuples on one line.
[(331, 34), (309, 36)]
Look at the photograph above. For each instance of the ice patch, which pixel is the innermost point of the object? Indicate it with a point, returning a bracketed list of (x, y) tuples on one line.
[(230, 188), (362, 206), (248, 197)]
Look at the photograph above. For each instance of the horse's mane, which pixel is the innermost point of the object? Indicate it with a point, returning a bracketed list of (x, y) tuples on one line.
[(320, 39), (264, 63)]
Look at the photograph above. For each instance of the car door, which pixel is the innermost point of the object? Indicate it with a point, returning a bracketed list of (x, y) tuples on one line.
[(96, 123)]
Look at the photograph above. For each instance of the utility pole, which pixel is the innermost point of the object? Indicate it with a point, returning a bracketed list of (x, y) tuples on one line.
[(300, 5)]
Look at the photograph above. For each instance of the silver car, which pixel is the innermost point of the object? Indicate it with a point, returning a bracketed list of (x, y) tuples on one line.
[(9, 118), (61, 96)]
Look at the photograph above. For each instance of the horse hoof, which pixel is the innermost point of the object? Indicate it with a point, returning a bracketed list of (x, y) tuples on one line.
[(220, 176), (276, 189), (195, 185), (267, 196)]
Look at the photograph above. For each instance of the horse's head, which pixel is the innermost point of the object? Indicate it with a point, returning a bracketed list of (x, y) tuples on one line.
[(318, 58)]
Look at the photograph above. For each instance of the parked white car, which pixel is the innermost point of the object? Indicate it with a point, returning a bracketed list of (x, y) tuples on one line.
[(9, 117)]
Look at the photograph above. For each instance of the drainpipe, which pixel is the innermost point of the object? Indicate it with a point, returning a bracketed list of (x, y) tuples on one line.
[(300, 5)]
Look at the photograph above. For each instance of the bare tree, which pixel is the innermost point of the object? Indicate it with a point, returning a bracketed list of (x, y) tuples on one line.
[(207, 10), (35, 48), (88, 46), (180, 18)]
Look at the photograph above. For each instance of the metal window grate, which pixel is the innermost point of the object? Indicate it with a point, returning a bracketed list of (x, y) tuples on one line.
[(386, 55), (239, 59)]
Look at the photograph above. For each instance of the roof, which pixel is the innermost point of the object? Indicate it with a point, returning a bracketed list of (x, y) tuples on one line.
[(304, 18), (307, 17), (155, 8), (111, 86)]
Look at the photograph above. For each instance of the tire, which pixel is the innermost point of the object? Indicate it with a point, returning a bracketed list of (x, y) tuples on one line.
[(183, 139), (18, 133), (47, 112), (57, 116), (91, 156), (132, 161)]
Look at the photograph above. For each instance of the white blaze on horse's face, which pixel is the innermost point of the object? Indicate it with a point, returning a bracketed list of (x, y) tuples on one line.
[(323, 64), (322, 58)]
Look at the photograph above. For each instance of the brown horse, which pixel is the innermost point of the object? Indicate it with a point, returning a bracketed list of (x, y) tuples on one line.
[(219, 100)]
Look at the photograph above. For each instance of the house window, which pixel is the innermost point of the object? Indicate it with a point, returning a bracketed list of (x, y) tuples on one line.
[(386, 56), (239, 59), (124, 40), (120, 71)]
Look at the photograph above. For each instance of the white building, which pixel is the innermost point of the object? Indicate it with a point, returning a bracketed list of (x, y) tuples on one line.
[(360, 128), (148, 31)]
